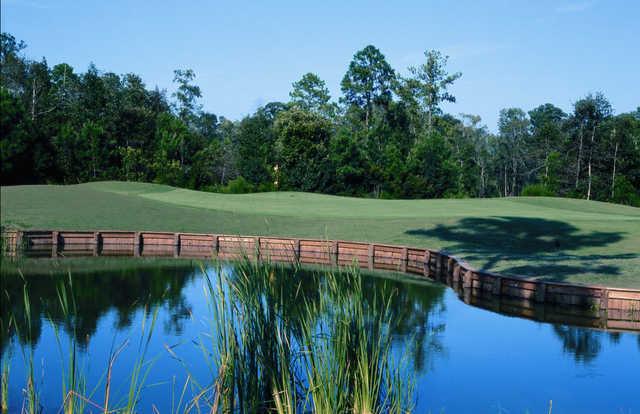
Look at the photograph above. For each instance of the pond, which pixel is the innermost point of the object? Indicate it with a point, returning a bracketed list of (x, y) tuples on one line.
[(178, 335)]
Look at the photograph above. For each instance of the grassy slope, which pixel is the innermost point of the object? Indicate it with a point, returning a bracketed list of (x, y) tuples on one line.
[(555, 239)]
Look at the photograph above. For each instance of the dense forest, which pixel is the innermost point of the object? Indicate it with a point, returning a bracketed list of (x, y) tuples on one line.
[(386, 136)]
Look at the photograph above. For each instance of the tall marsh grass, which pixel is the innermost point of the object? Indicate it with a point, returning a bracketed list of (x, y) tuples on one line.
[(279, 340), (76, 397), (72, 373), (282, 348), (31, 396), (4, 383)]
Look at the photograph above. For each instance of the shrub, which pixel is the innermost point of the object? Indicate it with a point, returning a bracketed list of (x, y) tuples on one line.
[(237, 186), (265, 187), (537, 190), (625, 193)]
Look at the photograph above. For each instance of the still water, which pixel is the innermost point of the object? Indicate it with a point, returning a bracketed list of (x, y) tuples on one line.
[(462, 359)]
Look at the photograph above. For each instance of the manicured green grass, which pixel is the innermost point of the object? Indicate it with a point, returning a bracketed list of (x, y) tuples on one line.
[(551, 238)]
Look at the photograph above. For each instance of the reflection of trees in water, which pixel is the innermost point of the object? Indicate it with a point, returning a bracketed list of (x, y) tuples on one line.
[(413, 312), (124, 291), (413, 305), (584, 344), (293, 323), (414, 309), (614, 337)]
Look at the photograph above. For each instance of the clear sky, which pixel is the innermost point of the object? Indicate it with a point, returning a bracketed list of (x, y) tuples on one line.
[(510, 53)]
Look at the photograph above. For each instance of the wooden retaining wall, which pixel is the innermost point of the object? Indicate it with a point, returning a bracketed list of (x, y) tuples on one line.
[(620, 307)]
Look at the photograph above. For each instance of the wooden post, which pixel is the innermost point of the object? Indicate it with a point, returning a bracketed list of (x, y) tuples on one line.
[(443, 267), (96, 243), (296, 251), (497, 285), (334, 253), (256, 245), (55, 236), (604, 308), (456, 274), (176, 244), (19, 240), (467, 294), (216, 246), (427, 264), (541, 292), (404, 259), (439, 260), (137, 245), (604, 299), (467, 280), (370, 256), (16, 247), (450, 261)]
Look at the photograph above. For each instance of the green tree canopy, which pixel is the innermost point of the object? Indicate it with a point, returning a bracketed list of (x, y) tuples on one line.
[(303, 139), (369, 82), (310, 93), (429, 84)]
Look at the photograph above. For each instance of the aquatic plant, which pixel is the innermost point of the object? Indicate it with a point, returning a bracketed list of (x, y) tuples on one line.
[(281, 339), (73, 377), (4, 383), (348, 363), (142, 366), (330, 354), (31, 398)]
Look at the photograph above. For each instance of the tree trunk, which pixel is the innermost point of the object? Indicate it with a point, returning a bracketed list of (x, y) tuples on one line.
[(181, 152), (579, 157), (33, 100), (589, 182), (546, 167), (367, 114), (461, 175), (593, 134), (613, 174), (482, 181), (505, 180), (547, 151), (514, 170)]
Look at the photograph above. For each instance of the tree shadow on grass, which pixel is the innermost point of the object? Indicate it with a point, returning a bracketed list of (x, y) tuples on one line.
[(536, 247)]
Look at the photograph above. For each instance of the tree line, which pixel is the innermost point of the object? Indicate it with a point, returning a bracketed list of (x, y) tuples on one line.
[(385, 136)]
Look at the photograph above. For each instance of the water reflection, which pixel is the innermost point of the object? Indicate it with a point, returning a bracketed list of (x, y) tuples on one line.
[(568, 308), (260, 304), (122, 290), (583, 344), (423, 317), (127, 290), (417, 307)]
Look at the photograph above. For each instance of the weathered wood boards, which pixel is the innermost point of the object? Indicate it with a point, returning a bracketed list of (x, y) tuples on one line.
[(620, 307)]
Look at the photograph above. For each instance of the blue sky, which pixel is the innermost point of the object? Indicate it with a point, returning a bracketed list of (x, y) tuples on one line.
[(511, 53)]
